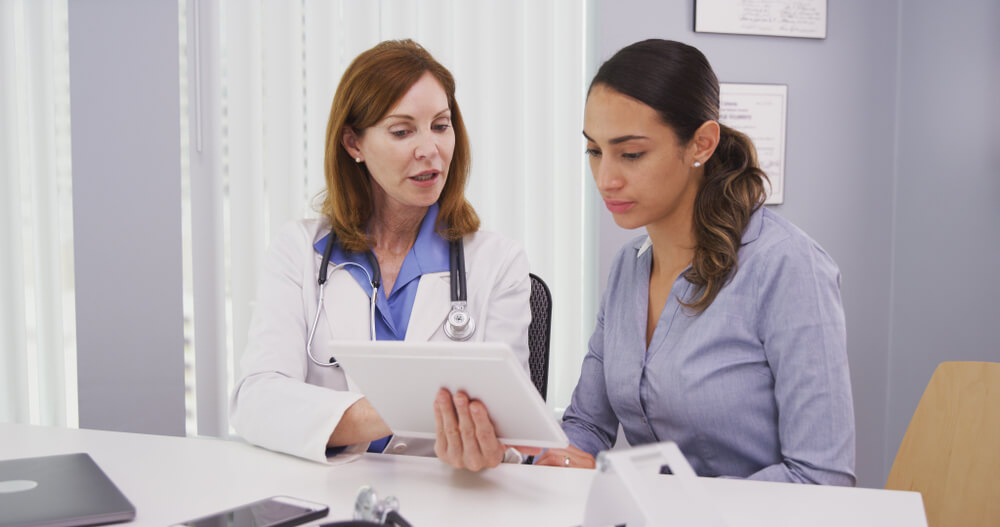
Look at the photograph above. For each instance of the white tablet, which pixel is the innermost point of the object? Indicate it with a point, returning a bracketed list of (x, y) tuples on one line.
[(401, 380)]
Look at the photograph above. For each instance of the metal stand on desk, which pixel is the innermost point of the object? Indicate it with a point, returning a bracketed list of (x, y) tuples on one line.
[(624, 492)]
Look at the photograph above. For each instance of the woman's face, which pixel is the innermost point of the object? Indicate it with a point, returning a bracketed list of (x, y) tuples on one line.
[(409, 151), (644, 175)]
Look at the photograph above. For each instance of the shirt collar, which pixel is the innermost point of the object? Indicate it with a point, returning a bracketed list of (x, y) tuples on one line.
[(751, 233), (429, 252), (646, 244), (754, 226)]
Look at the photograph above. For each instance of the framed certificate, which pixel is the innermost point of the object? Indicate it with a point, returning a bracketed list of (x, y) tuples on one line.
[(774, 18), (759, 110)]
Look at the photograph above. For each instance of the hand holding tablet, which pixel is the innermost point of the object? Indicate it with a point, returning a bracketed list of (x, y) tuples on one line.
[(402, 381)]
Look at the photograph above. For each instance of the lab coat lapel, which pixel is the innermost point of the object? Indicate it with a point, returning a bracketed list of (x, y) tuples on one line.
[(430, 306), (346, 307)]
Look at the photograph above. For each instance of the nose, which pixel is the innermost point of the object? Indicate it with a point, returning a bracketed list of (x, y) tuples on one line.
[(606, 177), (426, 146)]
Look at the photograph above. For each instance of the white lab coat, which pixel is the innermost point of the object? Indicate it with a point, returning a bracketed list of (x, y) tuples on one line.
[(283, 401)]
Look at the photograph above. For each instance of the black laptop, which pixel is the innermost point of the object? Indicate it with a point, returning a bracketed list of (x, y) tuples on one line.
[(59, 491)]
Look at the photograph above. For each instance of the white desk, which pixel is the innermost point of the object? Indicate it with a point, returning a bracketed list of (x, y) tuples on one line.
[(170, 479)]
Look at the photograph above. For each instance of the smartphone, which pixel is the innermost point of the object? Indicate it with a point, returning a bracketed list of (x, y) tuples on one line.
[(276, 511)]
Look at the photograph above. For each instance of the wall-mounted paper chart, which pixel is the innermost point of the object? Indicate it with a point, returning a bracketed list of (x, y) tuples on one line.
[(774, 18), (758, 110)]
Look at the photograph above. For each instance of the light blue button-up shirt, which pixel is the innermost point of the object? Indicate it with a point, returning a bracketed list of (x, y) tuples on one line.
[(756, 386)]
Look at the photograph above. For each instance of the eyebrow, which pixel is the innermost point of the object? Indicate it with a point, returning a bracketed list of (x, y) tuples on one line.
[(618, 140), (411, 118)]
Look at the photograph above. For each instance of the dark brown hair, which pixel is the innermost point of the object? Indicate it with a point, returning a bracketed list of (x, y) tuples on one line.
[(677, 81), (370, 87)]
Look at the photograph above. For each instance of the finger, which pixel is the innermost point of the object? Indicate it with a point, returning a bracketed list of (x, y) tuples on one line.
[(472, 456), (441, 442), (579, 458), (453, 437), (553, 457), (486, 436)]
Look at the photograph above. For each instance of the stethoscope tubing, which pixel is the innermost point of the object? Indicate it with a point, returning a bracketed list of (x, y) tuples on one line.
[(459, 293)]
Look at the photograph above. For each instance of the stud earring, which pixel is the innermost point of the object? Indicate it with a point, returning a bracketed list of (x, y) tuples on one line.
[(697, 164), (357, 159)]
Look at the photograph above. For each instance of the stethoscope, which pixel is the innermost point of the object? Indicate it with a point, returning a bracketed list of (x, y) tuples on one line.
[(459, 325)]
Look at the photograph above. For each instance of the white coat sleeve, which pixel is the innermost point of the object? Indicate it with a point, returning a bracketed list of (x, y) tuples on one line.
[(272, 405)]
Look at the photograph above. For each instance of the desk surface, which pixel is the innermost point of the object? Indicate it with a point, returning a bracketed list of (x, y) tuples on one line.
[(171, 479)]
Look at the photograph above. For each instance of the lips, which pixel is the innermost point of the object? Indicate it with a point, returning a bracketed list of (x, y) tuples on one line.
[(618, 206), (425, 179)]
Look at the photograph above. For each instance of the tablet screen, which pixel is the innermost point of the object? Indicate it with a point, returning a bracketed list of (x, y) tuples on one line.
[(401, 380)]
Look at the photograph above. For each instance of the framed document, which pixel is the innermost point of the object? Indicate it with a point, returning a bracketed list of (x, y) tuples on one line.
[(759, 110), (774, 18)]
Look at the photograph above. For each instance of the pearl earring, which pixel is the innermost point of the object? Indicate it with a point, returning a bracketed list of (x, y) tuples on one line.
[(697, 164), (357, 159)]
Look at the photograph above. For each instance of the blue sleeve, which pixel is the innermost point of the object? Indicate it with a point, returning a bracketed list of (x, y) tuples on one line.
[(589, 421), (801, 325)]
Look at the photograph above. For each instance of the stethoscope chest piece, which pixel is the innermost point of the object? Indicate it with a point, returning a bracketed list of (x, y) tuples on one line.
[(459, 326)]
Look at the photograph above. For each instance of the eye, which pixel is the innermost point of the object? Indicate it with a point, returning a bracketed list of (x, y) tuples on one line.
[(399, 133), (592, 152), (441, 127), (632, 156)]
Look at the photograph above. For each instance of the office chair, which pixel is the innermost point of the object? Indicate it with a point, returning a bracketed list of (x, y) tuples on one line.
[(538, 334), (951, 450)]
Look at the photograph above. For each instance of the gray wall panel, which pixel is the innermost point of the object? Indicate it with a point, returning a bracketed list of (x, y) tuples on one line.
[(945, 286), (127, 215)]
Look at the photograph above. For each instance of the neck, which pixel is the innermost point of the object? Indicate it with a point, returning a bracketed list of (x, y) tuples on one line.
[(394, 227), (673, 243)]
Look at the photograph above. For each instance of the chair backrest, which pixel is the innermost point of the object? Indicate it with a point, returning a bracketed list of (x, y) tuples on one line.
[(538, 334), (951, 450)]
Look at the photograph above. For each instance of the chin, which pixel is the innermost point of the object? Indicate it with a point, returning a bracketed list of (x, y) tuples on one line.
[(426, 199), (626, 222)]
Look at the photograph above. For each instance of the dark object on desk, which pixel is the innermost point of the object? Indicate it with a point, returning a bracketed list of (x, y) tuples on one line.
[(59, 491), (370, 510), (393, 520), (276, 511), (539, 334)]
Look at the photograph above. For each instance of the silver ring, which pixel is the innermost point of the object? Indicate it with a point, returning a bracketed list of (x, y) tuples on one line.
[(565, 461)]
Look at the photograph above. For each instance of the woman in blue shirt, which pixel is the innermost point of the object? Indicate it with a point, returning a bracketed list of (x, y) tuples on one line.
[(722, 330)]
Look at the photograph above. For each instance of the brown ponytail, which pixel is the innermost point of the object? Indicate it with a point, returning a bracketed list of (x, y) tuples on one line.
[(731, 190)]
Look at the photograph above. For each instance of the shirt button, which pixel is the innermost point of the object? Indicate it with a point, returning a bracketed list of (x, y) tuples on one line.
[(399, 448)]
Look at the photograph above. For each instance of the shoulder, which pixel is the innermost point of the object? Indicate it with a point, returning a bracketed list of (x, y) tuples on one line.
[(773, 245), (491, 254), (296, 236), (630, 256), (492, 244)]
